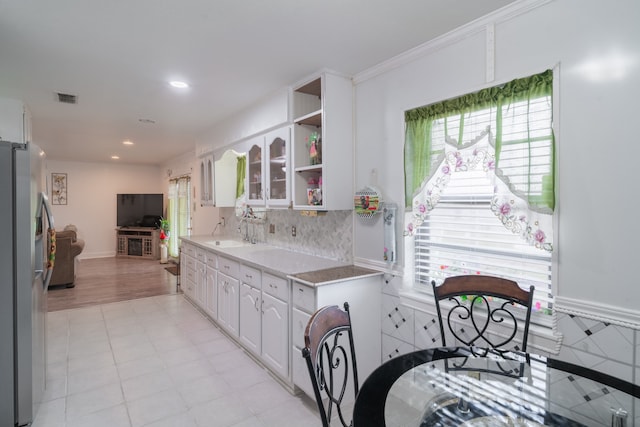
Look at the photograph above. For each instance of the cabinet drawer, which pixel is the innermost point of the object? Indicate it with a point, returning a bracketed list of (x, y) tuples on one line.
[(299, 320), (304, 297), (229, 267), (250, 276), (189, 249), (201, 255), (275, 286), (190, 263), (212, 260), (191, 275)]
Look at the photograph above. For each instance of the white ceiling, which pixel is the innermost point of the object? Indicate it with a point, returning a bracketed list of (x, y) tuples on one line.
[(116, 56)]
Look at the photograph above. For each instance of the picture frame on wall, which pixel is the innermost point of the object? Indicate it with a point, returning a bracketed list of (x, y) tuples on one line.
[(59, 188)]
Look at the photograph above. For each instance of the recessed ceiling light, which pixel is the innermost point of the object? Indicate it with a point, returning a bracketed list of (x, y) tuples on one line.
[(127, 142), (179, 84), (115, 157)]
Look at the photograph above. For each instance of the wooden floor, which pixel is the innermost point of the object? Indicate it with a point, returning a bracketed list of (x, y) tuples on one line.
[(104, 280)]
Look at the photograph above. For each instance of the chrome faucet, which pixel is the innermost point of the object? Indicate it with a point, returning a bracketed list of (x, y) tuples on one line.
[(215, 228), (245, 235), (247, 216)]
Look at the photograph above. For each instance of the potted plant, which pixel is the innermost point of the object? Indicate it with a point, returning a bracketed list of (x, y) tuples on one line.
[(164, 237), (164, 229)]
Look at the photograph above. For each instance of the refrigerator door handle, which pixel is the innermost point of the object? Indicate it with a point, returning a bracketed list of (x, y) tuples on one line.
[(51, 246)]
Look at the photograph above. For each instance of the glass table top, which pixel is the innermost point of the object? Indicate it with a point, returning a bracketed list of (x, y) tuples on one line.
[(476, 387)]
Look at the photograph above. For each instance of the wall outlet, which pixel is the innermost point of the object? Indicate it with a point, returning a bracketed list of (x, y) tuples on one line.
[(272, 228), (293, 231)]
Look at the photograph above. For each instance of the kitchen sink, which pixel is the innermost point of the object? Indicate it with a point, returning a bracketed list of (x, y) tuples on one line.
[(228, 243)]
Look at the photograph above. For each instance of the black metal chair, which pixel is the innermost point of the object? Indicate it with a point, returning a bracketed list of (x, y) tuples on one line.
[(478, 303), (468, 321), (329, 357)]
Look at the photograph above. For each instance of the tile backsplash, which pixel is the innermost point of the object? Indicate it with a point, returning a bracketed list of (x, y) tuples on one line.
[(329, 235)]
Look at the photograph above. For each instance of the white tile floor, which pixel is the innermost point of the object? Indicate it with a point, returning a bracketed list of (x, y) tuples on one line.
[(157, 362)]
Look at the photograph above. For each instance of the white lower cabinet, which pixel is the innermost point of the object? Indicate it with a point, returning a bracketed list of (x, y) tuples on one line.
[(200, 284), (275, 324), (228, 299), (267, 314), (250, 315), (264, 318), (211, 306), (300, 372), (363, 296), (188, 279)]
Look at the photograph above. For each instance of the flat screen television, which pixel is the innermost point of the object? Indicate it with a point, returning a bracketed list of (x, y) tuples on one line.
[(139, 210)]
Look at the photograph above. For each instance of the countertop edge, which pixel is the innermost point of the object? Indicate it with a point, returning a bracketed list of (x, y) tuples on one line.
[(330, 282)]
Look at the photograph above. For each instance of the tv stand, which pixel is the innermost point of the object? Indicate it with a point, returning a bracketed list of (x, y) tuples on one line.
[(138, 242)]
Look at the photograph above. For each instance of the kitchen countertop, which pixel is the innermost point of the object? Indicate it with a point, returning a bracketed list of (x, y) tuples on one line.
[(332, 275), (278, 260)]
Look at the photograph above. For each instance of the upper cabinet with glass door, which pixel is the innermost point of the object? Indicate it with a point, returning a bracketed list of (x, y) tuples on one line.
[(206, 180), (268, 182), (255, 171), (277, 167), (323, 143)]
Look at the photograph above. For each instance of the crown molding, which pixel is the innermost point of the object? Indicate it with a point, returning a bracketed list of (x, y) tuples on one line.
[(479, 25)]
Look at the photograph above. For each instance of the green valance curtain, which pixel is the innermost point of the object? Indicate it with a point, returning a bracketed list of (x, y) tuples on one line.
[(241, 171), (422, 156), (506, 133)]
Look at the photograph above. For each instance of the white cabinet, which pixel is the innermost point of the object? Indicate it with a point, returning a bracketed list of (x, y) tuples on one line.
[(255, 187), (211, 284), (12, 114), (275, 323), (200, 295), (323, 143), (250, 318), (188, 271), (199, 278), (225, 181), (250, 308), (264, 317), (207, 180), (277, 170), (267, 181), (363, 295), (228, 295)]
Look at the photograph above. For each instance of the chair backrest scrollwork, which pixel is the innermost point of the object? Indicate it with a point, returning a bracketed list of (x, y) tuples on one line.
[(331, 360), (480, 302)]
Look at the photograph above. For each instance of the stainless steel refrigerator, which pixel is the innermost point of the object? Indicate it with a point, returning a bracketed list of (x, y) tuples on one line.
[(25, 270)]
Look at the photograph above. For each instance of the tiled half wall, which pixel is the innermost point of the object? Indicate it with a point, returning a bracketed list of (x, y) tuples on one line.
[(329, 235)]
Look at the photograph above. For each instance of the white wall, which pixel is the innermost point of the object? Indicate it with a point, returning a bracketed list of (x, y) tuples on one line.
[(91, 193), (597, 133)]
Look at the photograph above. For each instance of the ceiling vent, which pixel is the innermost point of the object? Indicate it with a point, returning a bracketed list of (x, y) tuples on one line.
[(67, 98)]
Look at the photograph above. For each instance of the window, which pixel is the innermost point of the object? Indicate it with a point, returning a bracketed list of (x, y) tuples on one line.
[(179, 212), (480, 182)]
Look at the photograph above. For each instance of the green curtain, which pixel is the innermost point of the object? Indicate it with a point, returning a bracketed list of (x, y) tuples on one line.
[(420, 154), (242, 170)]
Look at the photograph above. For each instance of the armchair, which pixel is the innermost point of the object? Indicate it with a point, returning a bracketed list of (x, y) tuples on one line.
[(68, 247)]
